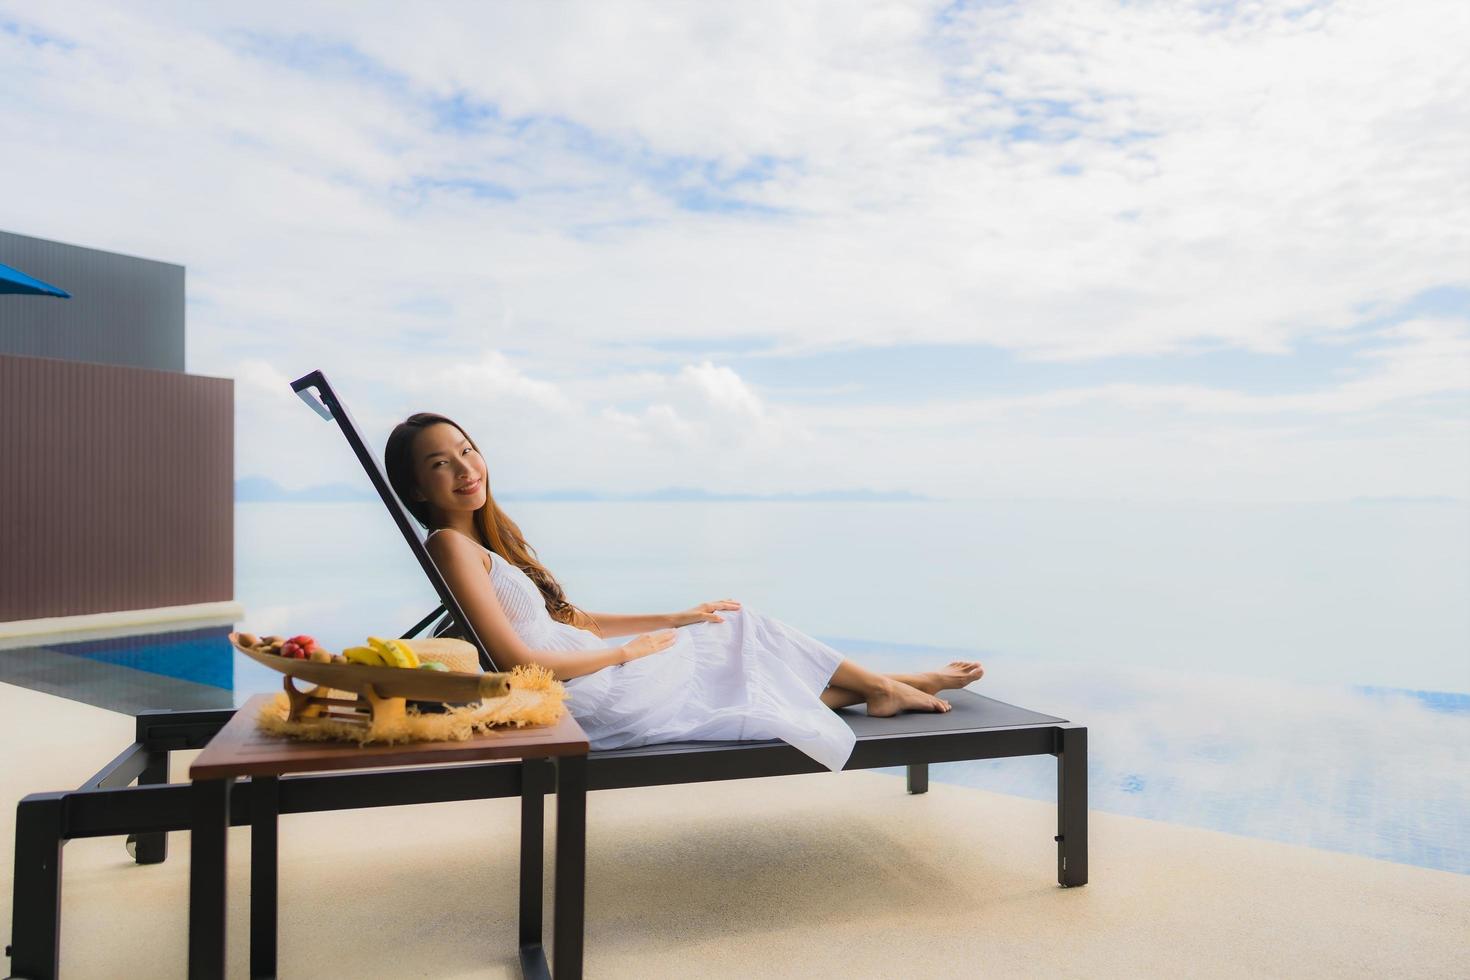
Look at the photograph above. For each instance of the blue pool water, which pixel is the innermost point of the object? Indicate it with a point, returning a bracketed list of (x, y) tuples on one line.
[(200, 656)]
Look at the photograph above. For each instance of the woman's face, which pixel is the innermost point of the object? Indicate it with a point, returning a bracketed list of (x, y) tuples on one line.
[(449, 471)]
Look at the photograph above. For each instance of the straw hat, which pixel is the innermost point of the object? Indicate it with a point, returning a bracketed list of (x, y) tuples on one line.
[(459, 655)]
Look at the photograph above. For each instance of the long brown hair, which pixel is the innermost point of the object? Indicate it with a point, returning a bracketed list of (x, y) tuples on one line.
[(495, 528)]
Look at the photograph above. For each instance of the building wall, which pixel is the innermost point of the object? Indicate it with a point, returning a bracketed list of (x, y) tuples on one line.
[(116, 487), (123, 310)]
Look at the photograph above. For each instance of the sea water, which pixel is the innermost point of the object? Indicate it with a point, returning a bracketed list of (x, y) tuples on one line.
[(1299, 672)]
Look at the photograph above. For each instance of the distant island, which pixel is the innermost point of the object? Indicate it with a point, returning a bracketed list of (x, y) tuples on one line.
[(696, 494), (260, 489)]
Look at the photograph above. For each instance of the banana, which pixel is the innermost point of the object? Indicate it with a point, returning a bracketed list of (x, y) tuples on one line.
[(408, 652), (385, 653), (364, 655), (395, 653)]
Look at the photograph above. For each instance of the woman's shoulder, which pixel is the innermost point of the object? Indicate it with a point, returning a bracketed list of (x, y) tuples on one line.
[(447, 541)]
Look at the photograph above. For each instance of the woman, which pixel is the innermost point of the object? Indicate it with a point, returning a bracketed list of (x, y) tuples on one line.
[(716, 671)]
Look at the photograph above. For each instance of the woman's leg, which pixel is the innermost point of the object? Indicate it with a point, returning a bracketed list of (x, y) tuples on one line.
[(851, 683), (956, 675), (838, 697)]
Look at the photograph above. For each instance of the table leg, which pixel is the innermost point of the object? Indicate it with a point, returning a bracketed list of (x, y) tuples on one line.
[(533, 839), (571, 866), (535, 780), (208, 838), (265, 808)]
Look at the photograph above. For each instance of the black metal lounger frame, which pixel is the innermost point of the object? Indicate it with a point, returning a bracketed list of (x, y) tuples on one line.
[(108, 805)]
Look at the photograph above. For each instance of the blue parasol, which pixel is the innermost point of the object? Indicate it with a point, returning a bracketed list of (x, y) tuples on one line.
[(15, 281)]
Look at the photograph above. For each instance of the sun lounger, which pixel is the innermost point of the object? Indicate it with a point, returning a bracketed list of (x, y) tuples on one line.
[(977, 727), (109, 804)]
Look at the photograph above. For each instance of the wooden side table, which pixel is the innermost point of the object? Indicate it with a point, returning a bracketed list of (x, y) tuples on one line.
[(241, 749)]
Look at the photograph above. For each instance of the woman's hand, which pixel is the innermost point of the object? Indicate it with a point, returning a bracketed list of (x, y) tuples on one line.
[(647, 645), (705, 612)]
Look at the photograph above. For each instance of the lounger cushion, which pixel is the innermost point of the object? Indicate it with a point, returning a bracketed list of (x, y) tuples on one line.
[(971, 712)]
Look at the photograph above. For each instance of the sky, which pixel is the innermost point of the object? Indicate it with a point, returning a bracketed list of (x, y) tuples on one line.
[(1152, 251)]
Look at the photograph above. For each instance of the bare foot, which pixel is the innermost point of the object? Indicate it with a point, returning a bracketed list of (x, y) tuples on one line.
[(898, 696), (955, 676)]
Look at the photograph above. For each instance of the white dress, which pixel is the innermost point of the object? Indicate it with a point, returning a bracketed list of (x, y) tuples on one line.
[(750, 677)]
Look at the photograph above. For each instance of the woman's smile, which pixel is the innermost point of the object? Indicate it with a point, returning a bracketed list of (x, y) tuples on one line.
[(468, 488)]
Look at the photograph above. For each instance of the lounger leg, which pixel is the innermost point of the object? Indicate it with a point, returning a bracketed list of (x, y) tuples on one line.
[(571, 866), (534, 783), (1071, 806), (152, 848), (918, 777), (265, 808), (35, 916)]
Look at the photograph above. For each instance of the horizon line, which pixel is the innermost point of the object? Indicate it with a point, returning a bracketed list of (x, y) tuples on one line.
[(260, 489)]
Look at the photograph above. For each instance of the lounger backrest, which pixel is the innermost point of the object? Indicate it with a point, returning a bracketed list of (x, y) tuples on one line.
[(326, 404)]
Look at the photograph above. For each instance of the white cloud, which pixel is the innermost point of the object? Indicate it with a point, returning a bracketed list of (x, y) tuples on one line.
[(1431, 359), (392, 195), (493, 379), (723, 389), (261, 379)]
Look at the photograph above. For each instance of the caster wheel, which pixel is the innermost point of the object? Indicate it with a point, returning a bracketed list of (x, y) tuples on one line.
[(132, 846)]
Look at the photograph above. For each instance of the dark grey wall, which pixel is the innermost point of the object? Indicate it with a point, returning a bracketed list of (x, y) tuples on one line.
[(124, 310)]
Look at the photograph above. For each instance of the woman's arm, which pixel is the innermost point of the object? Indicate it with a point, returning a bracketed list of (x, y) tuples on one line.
[(463, 566), (618, 624), (614, 624)]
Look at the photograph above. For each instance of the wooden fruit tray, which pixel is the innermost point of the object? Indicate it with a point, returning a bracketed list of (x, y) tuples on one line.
[(381, 691)]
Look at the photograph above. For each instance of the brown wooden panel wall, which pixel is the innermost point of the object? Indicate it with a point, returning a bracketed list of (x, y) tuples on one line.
[(116, 488)]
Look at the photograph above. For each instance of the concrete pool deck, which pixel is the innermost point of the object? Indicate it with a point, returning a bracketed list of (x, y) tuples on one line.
[(794, 876)]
